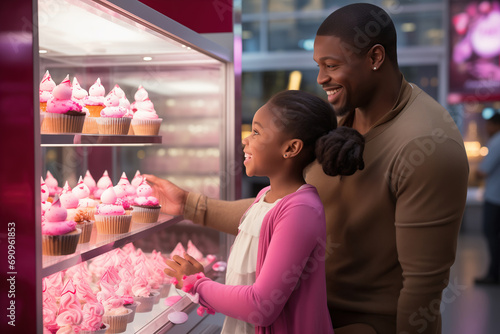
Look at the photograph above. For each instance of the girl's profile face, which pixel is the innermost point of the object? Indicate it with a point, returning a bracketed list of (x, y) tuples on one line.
[(264, 147)]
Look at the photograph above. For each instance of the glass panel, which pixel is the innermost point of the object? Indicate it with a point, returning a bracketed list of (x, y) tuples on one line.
[(293, 34), (251, 6), (424, 76), (251, 36), (424, 28)]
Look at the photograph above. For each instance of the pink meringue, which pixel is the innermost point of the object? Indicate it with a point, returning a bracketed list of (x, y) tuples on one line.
[(55, 220), (61, 101)]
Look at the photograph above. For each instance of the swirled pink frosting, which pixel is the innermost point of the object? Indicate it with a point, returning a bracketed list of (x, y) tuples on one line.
[(140, 285), (92, 316), (96, 94), (113, 304), (70, 312), (49, 306), (113, 108), (108, 207), (55, 220), (61, 101), (67, 198), (142, 107)]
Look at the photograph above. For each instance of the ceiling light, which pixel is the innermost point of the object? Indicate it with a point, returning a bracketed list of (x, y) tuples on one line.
[(147, 58)]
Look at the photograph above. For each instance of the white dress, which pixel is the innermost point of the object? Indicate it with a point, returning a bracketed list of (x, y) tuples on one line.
[(242, 261)]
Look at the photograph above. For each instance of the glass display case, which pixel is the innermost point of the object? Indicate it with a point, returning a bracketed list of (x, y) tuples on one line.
[(190, 81)]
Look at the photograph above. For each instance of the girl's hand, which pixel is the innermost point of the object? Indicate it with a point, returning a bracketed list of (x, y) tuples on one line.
[(172, 198), (180, 267)]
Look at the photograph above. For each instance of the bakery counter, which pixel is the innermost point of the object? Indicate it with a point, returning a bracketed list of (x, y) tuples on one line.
[(82, 139), (102, 243)]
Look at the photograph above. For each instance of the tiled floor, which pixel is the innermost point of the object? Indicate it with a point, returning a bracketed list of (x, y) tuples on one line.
[(467, 308)]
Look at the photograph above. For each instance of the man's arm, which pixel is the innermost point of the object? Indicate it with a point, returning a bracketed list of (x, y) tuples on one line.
[(430, 203)]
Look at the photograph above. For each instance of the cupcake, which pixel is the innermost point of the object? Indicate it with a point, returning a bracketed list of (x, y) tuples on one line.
[(69, 201), (84, 223), (109, 217), (92, 319), (125, 291), (90, 182), (103, 184), (129, 189), (70, 314), (52, 184), (121, 194), (145, 121), (125, 103), (80, 95), (59, 236), (115, 314), (85, 203), (142, 290), (63, 114), (112, 120), (146, 208), (95, 101), (47, 85)]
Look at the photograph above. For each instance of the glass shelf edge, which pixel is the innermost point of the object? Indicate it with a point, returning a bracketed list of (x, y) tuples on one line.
[(68, 261), (79, 139)]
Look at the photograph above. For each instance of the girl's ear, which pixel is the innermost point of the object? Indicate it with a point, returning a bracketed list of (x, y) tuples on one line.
[(292, 148)]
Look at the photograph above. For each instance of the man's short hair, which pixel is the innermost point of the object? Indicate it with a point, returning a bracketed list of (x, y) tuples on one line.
[(361, 26)]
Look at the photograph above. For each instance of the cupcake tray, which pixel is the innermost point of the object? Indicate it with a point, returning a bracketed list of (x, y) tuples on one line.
[(101, 243)]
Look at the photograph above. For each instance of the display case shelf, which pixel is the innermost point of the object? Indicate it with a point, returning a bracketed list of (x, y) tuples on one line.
[(82, 139), (102, 243)]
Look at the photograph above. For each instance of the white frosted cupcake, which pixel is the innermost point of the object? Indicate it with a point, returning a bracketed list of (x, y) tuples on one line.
[(145, 121), (109, 217), (112, 120)]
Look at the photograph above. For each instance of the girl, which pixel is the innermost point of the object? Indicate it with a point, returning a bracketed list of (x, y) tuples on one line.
[(275, 281)]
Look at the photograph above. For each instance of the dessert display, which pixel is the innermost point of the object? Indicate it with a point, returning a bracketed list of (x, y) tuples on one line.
[(59, 236), (146, 207), (145, 120), (113, 120), (63, 114), (111, 218), (95, 101), (70, 315)]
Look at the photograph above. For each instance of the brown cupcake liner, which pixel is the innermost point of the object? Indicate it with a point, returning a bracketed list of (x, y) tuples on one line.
[(147, 303), (117, 323), (95, 111), (60, 244), (113, 126), (145, 215), (86, 232), (90, 125), (62, 123), (113, 224), (146, 127)]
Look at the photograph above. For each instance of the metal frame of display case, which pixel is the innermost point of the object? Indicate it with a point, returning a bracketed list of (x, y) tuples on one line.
[(20, 168)]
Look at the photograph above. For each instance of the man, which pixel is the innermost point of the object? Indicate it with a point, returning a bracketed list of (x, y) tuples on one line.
[(489, 169), (392, 228)]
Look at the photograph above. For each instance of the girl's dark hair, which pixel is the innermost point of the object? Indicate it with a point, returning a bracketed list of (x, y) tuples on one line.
[(311, 119)]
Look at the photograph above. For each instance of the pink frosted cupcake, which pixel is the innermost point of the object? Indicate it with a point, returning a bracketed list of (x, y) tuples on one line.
[(63, 114), (95, 101), (109, 217), (80, 95), (112, 120), (92, 319), (59, 236), (141, 289), (145, 121), (115, 314), (90, 182), (85, 203), (70, 314), (52, 184), (47, 85), (146, 207), (69, 201), (103, 184)]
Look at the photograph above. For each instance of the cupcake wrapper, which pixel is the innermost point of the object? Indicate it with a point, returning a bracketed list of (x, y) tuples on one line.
[(132, 307), (99, 331), (117, 323), (86, 232), (157, 294), (147, 303), (60, 244), (145, 215), (165, 289), (90, 125), (62, 123), (42, 117), (95, 111), (131, 130), (146, 127), (112, 224), (113, 126)]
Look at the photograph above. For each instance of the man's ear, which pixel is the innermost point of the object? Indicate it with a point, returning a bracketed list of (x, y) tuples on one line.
[(293, 147), (376, 56)]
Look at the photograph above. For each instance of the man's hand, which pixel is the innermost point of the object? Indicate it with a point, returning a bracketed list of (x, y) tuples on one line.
[(172, 198)]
